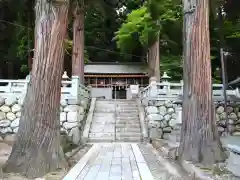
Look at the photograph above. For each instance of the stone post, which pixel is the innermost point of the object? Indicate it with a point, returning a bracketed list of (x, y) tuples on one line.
[(181, 82), (237, 93), (179, 115), (153, 91), (75, 87)]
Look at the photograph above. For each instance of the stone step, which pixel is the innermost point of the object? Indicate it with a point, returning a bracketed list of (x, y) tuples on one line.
[(127, 107), (96, 131), (127, 122), (133, 125), (117, 139), (102, 130), (124, 101), (104, 111), (104, 121), (128, 130), (136, 119), (121, 110), (128, 139), (127, 104), (127, 115), (104, 114), (101, 123), (128, 126), (128, 134), (103, 135), (101, 139)]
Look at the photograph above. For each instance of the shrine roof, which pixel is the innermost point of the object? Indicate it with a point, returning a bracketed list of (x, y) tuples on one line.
[(115, 68)]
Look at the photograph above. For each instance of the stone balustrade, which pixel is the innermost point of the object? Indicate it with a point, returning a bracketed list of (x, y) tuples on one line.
[(70, 88), (174, 91)]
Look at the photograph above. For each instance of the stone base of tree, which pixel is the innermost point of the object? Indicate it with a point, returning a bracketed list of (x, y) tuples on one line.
[(170, 150)]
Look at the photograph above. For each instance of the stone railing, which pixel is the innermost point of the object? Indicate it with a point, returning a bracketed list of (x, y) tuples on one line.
[(74, 106), (162, 104), (71, 89), (174, 91)]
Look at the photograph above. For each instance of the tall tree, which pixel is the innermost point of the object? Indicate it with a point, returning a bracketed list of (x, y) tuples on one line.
[(153, 50), (145, 25), (199, 138), (37, 149), (78, 40)]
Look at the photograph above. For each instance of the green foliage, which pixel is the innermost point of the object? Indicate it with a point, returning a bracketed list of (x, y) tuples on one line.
[(144, 24), (138, 27), (68, 44), (172, 65)]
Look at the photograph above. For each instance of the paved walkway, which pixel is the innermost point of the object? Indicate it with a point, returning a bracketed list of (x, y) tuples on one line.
[(119, 161)]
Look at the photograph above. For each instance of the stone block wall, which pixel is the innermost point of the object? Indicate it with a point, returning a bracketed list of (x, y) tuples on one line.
[(72, 117), (162, 118), (233, 122)]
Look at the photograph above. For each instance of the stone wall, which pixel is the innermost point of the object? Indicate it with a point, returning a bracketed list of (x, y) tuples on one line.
[(72, 117), (162, 117), (233, 122)]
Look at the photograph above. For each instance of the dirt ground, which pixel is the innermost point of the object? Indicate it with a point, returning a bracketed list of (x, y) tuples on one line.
[(5, 150)]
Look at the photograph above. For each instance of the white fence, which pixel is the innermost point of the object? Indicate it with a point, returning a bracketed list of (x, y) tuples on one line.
[(174, 91), (70, 88)]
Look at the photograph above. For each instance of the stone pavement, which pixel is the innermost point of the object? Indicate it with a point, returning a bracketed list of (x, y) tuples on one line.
[(119, 161)]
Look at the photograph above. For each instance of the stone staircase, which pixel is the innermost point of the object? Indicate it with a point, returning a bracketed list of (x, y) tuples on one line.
[(127, 121), (115, 120)]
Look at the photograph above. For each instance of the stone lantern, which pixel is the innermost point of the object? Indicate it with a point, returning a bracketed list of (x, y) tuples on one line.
[(65, 78), (165, 77)]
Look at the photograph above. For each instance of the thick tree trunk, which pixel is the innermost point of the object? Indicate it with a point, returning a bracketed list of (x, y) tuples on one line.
[(199, 138), (153, 60), (37, 149), (78, 43), (30, 62)]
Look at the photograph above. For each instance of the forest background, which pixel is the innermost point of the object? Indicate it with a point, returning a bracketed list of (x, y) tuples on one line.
[(121, 31)]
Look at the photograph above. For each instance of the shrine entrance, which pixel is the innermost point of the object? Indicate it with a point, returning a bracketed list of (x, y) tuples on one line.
[(119, 92)]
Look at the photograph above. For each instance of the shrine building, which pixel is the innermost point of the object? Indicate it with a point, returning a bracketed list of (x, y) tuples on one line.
[(113, 80)]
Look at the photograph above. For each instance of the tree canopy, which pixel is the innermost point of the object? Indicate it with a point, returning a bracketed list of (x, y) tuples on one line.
[(122, 31)]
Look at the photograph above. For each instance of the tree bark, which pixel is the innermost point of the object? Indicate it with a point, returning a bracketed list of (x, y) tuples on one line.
[(153, 60), (200, 142), (78, 43), (37, 149)]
